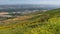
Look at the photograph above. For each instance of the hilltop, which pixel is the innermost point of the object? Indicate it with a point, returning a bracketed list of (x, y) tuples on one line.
[(35, 23)]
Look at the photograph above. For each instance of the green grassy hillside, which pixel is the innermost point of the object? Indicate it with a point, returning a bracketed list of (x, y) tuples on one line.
[(34, 23)]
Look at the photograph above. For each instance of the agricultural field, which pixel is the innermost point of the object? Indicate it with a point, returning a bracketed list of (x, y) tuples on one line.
[(35, 23)]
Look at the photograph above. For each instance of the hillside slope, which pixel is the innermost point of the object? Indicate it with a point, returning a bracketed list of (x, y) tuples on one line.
[(35, 23)]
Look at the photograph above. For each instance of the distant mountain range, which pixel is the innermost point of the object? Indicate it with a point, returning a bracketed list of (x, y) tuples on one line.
[(13, 8)]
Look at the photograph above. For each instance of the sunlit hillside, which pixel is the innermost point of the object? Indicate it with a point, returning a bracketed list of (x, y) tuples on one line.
[(35, 23)]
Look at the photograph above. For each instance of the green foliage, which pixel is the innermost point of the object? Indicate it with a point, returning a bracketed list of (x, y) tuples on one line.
[(39, 23)]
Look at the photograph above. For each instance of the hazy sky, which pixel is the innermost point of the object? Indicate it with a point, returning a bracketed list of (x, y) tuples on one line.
[(56, 2)]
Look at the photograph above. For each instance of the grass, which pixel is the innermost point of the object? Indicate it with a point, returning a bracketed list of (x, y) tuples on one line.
[(35, 23)]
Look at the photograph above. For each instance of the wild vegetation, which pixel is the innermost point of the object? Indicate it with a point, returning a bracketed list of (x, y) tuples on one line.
[(34, 23)]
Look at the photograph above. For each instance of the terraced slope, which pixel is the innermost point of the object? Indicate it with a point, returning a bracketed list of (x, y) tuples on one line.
[(35, 23)]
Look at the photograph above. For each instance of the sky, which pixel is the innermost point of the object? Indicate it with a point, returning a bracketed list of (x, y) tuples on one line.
[(53, 2)]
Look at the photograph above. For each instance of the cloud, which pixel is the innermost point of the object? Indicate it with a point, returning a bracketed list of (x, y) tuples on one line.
[(56, 2)]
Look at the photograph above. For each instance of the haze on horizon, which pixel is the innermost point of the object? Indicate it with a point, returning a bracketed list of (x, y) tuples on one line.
[(51, 2)]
